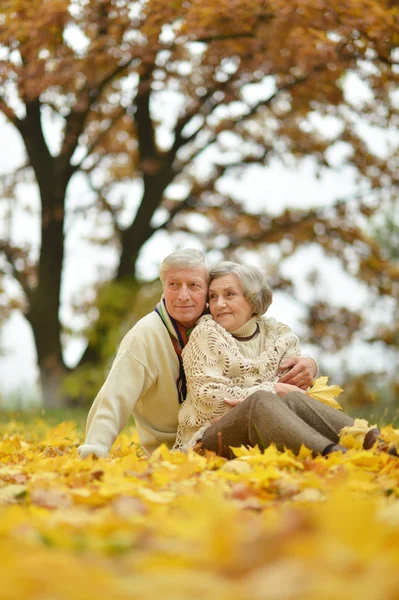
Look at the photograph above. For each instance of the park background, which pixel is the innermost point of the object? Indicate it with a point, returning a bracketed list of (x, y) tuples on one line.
[(261, 131), (252, 130)]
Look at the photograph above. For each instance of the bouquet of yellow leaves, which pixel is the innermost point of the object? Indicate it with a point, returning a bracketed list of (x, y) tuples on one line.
[(325, 393)]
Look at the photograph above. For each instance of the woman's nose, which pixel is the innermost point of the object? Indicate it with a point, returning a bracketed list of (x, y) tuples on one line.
[(220, 301)]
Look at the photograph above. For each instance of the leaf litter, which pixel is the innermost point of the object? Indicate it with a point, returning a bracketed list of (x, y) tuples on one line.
[(266, 525)]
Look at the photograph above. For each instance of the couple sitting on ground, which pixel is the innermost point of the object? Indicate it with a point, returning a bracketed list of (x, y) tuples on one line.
[(230, 378)]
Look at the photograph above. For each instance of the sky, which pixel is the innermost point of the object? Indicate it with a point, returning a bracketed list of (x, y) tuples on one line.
[(281, 186)]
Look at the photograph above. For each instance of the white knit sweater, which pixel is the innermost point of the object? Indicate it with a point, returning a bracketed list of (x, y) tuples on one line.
[(219, 367)]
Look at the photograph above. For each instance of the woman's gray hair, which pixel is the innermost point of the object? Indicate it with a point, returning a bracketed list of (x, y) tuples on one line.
[(253, 282), (189, 258)]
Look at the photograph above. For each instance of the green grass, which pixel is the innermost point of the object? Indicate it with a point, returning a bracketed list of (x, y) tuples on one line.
[(51, 416), (379, 413)]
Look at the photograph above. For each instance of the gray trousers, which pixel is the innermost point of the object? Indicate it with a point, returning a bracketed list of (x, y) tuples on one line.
[(265, 418)]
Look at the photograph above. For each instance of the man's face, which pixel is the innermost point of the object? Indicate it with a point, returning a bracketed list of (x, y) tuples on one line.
[(185, 292)]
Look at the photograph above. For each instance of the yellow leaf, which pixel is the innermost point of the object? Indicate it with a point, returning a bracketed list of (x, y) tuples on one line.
[(157, 497), (64, 434), (353, 437), (304, 453), (350, 441), (88, 497), (236, 466), (10, 493), (244, 451), (325, 393), (310, 495), (50, 499), (364, 458)]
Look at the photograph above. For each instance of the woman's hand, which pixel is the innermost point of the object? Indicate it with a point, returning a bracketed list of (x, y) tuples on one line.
[(285, 388), (234, 401)]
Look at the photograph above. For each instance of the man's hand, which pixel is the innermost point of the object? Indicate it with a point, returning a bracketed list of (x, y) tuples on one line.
[(301, 371), (285, 388), (95, 451)]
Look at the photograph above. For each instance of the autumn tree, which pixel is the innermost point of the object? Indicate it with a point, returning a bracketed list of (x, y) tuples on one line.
[(145, 92)]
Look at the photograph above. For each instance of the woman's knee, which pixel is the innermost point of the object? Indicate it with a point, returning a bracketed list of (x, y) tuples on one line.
[(259, 401), (293, 398)]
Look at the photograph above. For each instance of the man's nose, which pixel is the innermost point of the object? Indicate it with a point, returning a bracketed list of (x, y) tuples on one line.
[(184, 293)]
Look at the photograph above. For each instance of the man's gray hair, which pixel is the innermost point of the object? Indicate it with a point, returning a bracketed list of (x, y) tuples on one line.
[(253, 282), (189, 258)]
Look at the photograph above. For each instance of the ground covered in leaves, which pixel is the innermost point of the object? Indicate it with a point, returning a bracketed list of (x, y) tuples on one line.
[(263, 526)]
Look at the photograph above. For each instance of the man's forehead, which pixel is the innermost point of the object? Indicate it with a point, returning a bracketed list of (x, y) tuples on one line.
[(199, 272)]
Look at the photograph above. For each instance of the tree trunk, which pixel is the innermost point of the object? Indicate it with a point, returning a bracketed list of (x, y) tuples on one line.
[(52, 373), (52, 175), (45, 304)]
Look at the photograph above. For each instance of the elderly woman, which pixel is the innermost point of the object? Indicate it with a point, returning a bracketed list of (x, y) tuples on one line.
[(231, 364)]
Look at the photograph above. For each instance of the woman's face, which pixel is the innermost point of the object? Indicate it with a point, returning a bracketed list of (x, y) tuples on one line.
[(227, 302)]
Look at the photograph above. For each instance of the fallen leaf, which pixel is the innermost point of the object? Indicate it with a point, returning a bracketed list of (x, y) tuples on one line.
[(325, 393)]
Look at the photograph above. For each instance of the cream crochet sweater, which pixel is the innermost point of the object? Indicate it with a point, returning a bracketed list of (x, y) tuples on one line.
[(219, 366)]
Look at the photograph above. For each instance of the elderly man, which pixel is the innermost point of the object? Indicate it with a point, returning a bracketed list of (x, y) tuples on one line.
[(147, 378)]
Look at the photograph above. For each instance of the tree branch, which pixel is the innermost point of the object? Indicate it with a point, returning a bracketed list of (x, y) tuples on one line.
[(261, 18), (99, 139), (183, 121), (177, 208), (76, 120), (9, 113), (40, 158), (113, 212), (12, 254), (11, 178), (248, 114), (225, 37), (201, 109), (247, 160), (145, 126), (90, 169)]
